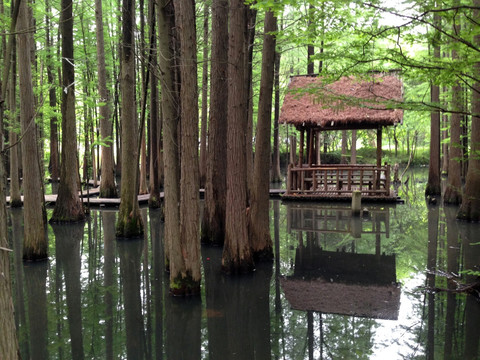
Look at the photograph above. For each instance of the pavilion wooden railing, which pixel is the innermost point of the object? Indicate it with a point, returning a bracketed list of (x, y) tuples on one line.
[(338, 180)]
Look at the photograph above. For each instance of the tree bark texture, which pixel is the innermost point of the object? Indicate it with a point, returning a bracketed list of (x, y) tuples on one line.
[(433, 183), (276, 175), (68, 207), (213, 223), (8, 335), (107, 181), (470, 208), (35, 245), (185, 276), (154, 200), (237, 256), (261, 241), (169, 104), (203, 137), (15, 196), (129, 222)]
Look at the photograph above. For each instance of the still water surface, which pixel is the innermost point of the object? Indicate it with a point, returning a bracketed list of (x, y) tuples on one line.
[(339, 288)]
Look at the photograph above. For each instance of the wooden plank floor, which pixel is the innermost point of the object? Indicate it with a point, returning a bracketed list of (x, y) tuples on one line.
[(94, 201)]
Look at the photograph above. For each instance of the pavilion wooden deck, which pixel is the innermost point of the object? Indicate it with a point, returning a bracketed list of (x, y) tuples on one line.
[(338, 182)]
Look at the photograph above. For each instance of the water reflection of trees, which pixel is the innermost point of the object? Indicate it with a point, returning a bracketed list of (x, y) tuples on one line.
[(124, 299)]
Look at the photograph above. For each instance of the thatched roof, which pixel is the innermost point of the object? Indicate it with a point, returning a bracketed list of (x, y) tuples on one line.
[(378, 302), (349, 103)]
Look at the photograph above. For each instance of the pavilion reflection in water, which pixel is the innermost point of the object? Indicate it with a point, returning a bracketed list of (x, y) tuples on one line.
[(341, 281)]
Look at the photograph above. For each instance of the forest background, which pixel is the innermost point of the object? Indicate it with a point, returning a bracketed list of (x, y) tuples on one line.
[(181, 95)]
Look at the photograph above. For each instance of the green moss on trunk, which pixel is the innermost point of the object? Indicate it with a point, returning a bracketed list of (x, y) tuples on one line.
[(184, 286), (129, 226)]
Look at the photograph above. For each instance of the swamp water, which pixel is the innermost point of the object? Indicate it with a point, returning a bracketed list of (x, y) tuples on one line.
[(339, 288)]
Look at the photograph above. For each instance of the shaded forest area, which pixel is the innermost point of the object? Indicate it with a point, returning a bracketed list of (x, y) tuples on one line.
[(182, 95)]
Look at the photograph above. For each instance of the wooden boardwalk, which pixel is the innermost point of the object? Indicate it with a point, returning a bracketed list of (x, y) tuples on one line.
[(91, 199)]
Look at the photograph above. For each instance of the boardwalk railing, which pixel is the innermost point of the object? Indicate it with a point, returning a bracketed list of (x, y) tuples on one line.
[(338, 180)]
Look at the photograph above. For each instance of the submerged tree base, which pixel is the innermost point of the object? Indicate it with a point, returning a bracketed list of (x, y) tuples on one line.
[(452, 196), (469, 210), (154, 202), (264, 255), (129, 226), (33, 255), (233, 267), (184, 286), (108, 192)]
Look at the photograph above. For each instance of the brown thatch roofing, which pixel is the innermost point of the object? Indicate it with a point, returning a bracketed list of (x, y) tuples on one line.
[(349, 103), (378, 302)]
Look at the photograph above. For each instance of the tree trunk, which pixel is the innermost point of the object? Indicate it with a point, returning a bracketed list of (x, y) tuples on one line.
[(433, 183), (276, 175), (213, 223), (236, 256), (445, 149), (185, 275), (15, 196), (129, 222), (169, 103), (453, 191), (68, 207), (8, 340), (154, 200), (107, 180), (35, 245), (203, 137), (259, 229), (470, 208)]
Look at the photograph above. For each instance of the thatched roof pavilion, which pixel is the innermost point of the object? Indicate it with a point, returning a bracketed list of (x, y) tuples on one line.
[(313, 105), (346, 104)]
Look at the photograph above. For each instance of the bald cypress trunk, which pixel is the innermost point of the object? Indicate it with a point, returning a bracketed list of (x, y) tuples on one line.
[(470, 209), (213, 220), (107, 182), (169, 105), (35, 241), (129, 222), (237, 256), (68, 207), (260, 239), (8, 338), (433, 184), (185, 275)]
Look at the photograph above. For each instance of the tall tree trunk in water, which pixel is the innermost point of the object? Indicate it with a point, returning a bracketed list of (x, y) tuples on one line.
[(15, 196), (276, 175), (213, 223), (34, 242), (129, 223), (237, 256), (433, 183), (169, 103), (185, 275), (107, 181), (453, 192), (470, 209), (54, 165), (445, 150), (154, 200), (68, 207), (203, 137), (250, 39), (8, 340), (259, 228)]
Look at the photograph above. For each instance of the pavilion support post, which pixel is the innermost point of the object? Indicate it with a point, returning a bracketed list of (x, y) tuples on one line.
[(310, 150), (300, 155), (379, 157), (379, 147), (318, 147), (293, 149)]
